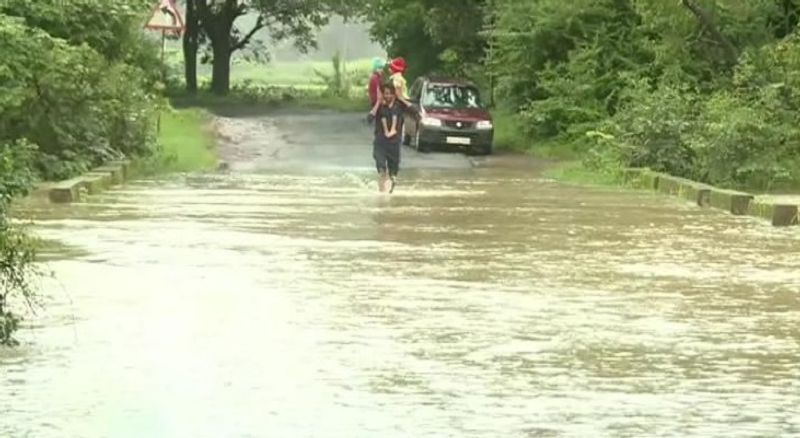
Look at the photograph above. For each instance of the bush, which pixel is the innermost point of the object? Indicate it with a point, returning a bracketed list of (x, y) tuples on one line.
[(112, 28), (652, 129), (16, 251), (79, 108), (79, 84)]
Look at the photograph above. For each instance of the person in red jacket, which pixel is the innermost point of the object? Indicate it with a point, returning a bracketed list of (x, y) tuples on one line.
[(375, 82)]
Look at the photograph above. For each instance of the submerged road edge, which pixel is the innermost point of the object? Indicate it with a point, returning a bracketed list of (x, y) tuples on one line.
[(704, 195), (91, 182)]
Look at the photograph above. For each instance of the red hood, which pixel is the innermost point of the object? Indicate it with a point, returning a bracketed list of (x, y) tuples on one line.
[(465, 114)]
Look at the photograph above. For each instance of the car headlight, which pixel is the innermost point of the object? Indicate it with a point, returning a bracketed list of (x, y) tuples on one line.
[(484, 124), (430, 121)]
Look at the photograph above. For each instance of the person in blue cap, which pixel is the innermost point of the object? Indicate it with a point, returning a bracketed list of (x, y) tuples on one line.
[(375, 81)]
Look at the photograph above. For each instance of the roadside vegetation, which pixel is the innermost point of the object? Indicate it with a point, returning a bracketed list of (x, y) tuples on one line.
[(79, 83), (704, 89), (80, 87), (83, 84), (185, 143)]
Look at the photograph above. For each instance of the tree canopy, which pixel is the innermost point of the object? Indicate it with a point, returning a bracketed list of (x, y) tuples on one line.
[(213, 22)]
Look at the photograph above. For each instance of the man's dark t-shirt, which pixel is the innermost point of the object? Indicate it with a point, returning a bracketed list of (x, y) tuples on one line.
[(387, 113)]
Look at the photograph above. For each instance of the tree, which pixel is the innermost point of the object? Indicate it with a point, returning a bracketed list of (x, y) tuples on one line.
[(431, 34), (191, 45), (281, 19), (110, 27)]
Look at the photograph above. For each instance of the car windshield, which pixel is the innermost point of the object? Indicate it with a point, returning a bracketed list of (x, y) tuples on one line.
[(451, 96)]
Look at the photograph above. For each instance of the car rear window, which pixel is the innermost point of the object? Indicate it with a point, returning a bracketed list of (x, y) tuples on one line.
[(451, 96)]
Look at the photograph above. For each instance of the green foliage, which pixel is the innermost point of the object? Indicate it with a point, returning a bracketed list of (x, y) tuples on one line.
[(104, 25), (745, 135), (16, 272), (340, 82), (652, 129), (79, 108), (433, 35), (111, 27), (185, 142), (16, 176), (281, 19), (255, 97), (706, 89), (78, 89), (16, 251), (564, 64)]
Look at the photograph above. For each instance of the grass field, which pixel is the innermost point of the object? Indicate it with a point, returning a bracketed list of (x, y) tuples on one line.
[(296, 73), (187, 140), (277, 73), (186, 144), (576, 173)]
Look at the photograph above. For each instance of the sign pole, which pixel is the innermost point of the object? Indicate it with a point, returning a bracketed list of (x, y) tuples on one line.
[(165, 16), (163, 73)]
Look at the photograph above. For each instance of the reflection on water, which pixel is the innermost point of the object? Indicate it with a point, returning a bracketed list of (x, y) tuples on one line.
[(476, 303)]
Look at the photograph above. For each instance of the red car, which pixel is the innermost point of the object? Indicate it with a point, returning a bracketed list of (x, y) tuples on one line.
[(451, 114)]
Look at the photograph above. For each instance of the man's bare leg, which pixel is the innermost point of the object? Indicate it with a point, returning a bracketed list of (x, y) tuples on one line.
[(383, 179)]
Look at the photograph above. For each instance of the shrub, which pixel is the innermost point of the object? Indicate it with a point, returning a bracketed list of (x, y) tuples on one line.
[(16, 251), (79, 108)]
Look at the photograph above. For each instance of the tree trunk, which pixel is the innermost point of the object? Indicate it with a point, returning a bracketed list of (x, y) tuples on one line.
[(705, 18), (218, 26), (191, 44), (221, 72)]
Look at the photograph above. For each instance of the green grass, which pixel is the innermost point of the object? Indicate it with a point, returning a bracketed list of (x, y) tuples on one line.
[(576, 173), (239, 104), (186, 143), (301, 73), (295, 73), (510, 135), (343, 104)]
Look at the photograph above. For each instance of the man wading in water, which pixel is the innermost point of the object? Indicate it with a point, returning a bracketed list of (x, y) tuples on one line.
[(388, 114)]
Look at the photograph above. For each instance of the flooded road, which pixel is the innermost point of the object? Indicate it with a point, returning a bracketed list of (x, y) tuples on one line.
[(288, 299)]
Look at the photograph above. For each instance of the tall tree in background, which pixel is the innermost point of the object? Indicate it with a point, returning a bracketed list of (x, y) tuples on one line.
[(431, 34), (191, 45), (280, 19)]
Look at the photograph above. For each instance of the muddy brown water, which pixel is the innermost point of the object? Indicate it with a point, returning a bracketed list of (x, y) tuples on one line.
[(288, 299)]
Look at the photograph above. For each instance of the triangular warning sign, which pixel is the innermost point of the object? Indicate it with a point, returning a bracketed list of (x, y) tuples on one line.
[(165, 16)]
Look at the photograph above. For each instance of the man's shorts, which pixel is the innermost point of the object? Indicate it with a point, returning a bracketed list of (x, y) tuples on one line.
[(387, 157)]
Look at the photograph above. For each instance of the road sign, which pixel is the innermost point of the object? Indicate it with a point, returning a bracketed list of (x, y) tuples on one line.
[(166, 17)]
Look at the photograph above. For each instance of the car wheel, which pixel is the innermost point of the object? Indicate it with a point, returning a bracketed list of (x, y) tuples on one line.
[(418, 144), (485, 150)]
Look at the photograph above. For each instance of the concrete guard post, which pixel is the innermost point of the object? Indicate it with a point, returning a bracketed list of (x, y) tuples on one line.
[(640, 178), (125, 167), (697, 193), (67, 191), (116, 171), (781, 215), (96, 183), (784, 215), (92, 182), (734, 202)]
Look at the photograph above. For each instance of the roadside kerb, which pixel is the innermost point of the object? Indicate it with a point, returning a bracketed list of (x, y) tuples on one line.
[(92, 182), (704, 195)]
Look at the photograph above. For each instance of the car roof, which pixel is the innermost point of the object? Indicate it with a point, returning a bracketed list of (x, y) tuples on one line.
[(444, 80)]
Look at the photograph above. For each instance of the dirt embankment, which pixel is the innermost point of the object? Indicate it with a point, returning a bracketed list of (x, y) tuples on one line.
[(242, 141)]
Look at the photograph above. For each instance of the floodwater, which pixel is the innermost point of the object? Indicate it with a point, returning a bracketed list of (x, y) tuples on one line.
[(286, 298)]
